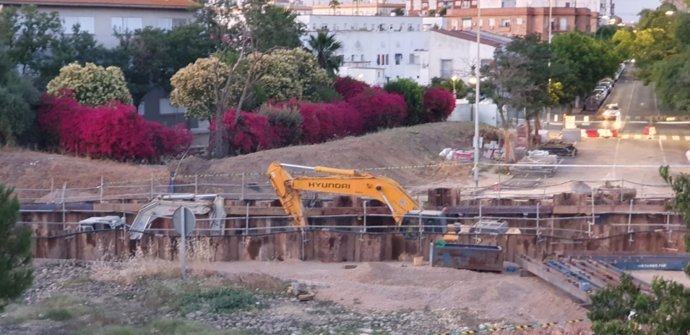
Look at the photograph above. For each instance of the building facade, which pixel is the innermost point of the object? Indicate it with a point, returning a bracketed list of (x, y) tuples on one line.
[(377, 49), (515, 17), (105, 17)]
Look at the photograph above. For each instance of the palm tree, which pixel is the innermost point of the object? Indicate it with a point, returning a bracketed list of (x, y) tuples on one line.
[(324, 47), (334, 4)]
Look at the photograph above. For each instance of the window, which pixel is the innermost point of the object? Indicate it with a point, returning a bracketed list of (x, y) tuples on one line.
[(398, 59), (519, 21), (412, 59), (492, 22), (123, 24), (85, 23), (446, 68), (178, 22), (466, 23), (505, 23), (165, 23), (382, 59), (166, 108), (563, 24)]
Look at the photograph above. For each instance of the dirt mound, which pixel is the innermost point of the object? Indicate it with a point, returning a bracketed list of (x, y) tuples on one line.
[(397, 153)]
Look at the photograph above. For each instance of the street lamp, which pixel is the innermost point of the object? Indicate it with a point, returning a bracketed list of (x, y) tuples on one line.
[(453, 79)]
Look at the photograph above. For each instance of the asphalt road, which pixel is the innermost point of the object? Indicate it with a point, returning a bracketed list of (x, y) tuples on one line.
[(631, 160)]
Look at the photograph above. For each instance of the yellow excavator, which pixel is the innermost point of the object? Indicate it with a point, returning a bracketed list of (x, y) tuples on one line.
[(404, 210)]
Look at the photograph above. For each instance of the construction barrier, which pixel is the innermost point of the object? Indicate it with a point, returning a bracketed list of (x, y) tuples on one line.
[(512, 327), (601, 132)]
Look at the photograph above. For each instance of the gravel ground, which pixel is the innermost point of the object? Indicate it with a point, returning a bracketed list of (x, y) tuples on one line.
[(67, 299)]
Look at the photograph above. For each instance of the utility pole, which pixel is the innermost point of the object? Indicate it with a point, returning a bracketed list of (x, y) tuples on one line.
[(476, 99)]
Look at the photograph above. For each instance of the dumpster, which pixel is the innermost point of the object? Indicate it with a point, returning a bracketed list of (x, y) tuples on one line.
[(469, 257)]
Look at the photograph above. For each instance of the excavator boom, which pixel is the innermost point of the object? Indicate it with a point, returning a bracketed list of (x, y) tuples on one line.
[(346, 182)]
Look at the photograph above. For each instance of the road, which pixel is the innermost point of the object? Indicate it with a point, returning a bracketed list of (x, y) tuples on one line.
[(630, 160)]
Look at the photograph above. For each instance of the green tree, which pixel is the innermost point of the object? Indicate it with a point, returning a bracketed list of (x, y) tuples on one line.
[(533, 94), (334, 4), (459, 86), (414, 98), (15, 250), (196, 87), (578, 62), (284, 74), (272, 26), (28, 35), (325, 47), (17, 96), (79, 46), (91, 84), (149, 57)]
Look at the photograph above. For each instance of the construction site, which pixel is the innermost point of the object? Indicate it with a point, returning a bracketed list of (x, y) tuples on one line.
[(299, 221)]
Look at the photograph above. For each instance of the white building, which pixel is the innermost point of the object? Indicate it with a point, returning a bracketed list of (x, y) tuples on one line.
[(103, 17), (376, 49)]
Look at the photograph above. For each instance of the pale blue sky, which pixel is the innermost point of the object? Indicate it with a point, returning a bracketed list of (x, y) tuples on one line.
[(628, 9)]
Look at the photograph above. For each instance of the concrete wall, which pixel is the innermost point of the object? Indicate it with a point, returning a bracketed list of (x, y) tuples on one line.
[(462, 54)]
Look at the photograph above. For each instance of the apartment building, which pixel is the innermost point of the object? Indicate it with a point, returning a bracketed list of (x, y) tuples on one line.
[(104, 17), (515, 17)]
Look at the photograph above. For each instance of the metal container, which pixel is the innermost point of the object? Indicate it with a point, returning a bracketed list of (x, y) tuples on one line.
[(469, 257)]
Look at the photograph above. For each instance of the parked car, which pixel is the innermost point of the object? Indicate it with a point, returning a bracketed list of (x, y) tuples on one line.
[(611, 112), (606, 82), (559, 148), (96, 223)]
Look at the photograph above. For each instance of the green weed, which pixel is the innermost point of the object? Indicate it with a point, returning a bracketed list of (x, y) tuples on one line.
[(218, 300)]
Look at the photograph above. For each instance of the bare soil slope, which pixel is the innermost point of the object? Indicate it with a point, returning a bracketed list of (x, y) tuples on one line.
[(397, 149)]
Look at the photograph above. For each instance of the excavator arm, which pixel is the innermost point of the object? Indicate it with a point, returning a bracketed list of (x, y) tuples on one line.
[(339, 181)]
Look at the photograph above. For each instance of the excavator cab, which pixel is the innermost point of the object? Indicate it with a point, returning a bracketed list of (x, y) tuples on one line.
[(424, 221)]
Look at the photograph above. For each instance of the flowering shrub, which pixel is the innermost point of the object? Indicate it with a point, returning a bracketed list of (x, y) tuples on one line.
[(91, 84), (438, 104), (325, 121), (115, 131), (249, 133), (348, 87), (379, 109), (286, 123)]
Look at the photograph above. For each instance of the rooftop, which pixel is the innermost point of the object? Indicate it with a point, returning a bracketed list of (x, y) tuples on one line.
[(487, 38), (167, 4)]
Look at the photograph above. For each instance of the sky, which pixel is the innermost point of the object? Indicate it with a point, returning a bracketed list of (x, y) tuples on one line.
[(628, 9)]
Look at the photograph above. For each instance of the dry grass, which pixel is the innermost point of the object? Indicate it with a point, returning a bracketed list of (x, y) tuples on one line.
[(146, 264), (579, 329)]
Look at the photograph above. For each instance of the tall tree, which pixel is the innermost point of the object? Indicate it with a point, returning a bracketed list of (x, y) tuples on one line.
[(78, 46), (28, 35), (334, 4), (149, 57), (272, 26), (15, 250), (254, 26), (325, 47), (579, 61), (17, 96)]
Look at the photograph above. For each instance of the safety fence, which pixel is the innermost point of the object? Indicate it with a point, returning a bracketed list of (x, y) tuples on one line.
[(255, 185)]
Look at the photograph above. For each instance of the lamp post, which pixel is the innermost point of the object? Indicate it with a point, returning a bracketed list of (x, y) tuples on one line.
[(476, 99)]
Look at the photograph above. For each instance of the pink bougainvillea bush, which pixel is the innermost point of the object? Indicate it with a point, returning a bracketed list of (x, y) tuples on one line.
[(249, 133), (438, 104), (114, 131), (379, 109), (349, 87)]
